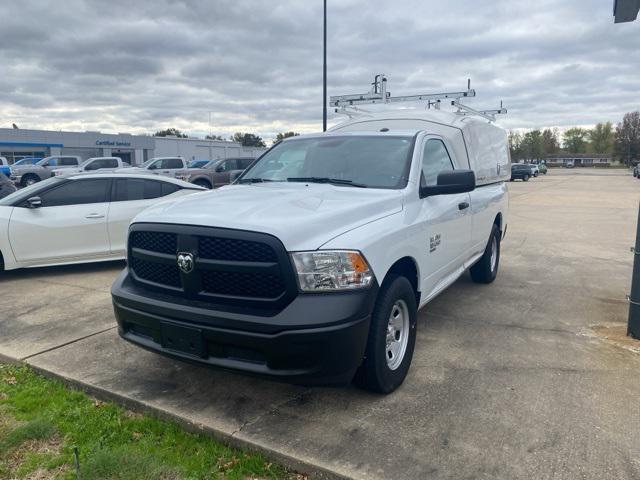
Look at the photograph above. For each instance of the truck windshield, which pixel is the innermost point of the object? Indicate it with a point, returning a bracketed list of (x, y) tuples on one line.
[(372, 161)]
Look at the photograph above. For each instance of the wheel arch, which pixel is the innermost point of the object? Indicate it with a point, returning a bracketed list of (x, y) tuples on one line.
[(408, 268), (498, 222), (202, 180)]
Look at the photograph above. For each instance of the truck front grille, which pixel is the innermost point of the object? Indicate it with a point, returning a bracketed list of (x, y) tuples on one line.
[(156, 272), (231, 268)]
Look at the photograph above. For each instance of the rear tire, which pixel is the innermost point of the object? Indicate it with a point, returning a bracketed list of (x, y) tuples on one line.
[(486, 269), (392, 337), (525, 178)]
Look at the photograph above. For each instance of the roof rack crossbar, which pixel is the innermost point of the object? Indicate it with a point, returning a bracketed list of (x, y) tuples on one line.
[(488, 114), (379, 94)]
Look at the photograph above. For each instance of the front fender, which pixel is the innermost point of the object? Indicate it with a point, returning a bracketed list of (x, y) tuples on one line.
[(383, 242)]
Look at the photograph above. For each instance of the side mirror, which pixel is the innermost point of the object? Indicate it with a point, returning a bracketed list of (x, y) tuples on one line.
[(457, 181), (34, 202), (220, 169)]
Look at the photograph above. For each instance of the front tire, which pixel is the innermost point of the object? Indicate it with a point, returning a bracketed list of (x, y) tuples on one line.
[(525, 178), (29, 180), (202, 183), (392, 337), (486, 269)]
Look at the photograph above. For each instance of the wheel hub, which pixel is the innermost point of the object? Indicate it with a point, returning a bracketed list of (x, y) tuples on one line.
[(397, 334)]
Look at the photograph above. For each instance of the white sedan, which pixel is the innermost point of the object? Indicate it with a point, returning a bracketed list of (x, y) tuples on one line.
[(78, 218)]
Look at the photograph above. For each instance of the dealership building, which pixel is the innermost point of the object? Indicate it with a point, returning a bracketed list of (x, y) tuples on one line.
[(16, 144)]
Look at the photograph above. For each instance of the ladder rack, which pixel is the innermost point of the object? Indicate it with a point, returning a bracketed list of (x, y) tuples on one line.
[(347, 104), (488, 114)]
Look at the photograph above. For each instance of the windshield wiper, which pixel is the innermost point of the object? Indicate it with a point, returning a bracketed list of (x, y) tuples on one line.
[(336, 181), (255, 180)]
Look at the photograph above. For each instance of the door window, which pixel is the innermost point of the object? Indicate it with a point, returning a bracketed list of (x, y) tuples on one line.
[(244, 163), (68, 161), (152, 189), (435, 159), (227, 165), (172, 163), (169, 188), (128, 189), (102, 163), (77, 192)]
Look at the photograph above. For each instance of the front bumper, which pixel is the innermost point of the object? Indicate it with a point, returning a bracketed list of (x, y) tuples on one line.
[(15, 178), (316, 339)]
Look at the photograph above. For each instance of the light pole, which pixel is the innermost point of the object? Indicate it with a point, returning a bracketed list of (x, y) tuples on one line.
[(324, 70), (210, 136)]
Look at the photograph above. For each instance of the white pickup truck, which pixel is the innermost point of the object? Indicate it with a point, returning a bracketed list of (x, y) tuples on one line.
[(175, 167), (95, 164), (311, 268)]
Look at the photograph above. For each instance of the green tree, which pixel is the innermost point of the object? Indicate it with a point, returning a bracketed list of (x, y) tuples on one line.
[(601, 138), (627, 143), (531, 146), (550, 142), (248, 139), (282, 135), (515, 145), (214, 137), (170, 132), (574, 140)]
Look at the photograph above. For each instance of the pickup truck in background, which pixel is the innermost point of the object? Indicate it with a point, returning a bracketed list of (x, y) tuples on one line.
[(174, 167), (26, 174), (103, 164), (217, 173), (312, 266)]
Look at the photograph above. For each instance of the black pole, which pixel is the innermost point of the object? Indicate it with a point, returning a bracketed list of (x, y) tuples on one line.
[(633, 327), (324, 71)]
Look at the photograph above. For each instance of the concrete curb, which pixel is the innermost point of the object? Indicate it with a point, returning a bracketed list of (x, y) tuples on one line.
[(312, 470)]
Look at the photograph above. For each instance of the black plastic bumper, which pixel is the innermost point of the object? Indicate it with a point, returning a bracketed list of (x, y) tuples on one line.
[(316, 339)]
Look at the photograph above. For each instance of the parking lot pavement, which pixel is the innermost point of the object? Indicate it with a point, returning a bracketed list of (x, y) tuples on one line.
[(508, 380)]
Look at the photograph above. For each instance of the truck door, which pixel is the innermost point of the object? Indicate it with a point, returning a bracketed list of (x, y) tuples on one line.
[(223, 172), (446, 219)]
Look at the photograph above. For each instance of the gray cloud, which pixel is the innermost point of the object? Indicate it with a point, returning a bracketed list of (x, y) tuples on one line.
[(144, 65)]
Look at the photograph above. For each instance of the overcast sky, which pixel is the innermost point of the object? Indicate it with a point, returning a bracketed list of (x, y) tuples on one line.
[(141, 65)]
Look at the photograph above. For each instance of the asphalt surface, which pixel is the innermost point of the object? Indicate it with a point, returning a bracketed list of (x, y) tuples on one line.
[(509, 380)]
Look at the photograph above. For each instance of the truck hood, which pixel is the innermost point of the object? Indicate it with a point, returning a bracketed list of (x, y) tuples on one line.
[(303, 216)]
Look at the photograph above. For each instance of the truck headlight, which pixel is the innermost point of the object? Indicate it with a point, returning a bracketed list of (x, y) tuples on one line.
[(331, 270)]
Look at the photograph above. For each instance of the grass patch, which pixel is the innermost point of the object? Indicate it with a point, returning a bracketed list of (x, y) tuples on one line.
[(42, 420)]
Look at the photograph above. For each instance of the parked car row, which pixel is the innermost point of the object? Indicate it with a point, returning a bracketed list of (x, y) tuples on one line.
[(525, 171), (208, 174)]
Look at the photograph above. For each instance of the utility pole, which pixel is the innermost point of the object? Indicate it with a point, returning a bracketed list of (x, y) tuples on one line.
[(324, 71)]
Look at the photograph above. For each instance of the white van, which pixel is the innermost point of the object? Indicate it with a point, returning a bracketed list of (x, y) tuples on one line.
[(312, 266)]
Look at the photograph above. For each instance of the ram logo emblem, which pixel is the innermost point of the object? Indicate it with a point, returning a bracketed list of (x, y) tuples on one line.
[(185, 262)]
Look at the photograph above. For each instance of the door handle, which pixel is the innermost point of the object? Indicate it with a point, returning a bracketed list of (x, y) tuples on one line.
[(463, 205), (95, 215)]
